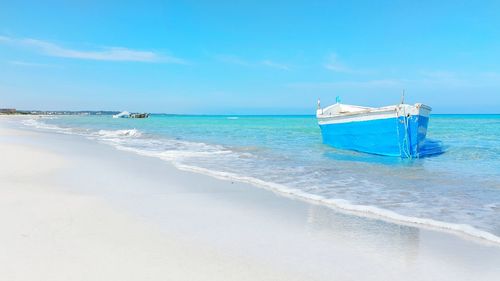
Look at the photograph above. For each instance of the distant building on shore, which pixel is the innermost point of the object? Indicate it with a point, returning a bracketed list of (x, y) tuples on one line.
[(7, 110)]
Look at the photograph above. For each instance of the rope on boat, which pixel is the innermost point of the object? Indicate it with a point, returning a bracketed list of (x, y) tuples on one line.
[(406, 140), (406, 143)]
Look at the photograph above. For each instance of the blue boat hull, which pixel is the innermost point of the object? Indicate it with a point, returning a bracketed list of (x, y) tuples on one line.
[(397, 136)]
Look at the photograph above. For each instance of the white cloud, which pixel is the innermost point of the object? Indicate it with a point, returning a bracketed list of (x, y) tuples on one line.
[(31, 64), (4, 39), (273, 64), (231, 59), (439, 74), (102, 54), (333, 64), (376, 83), (428, 80)]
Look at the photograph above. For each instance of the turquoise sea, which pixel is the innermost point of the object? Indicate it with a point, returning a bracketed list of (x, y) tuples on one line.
[(458, 190)]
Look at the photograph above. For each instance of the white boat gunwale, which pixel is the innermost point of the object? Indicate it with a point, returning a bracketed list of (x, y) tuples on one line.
[(358, 113)]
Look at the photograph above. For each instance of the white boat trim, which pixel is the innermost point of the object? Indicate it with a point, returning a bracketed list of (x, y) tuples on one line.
[(341, 113), (358, 117)]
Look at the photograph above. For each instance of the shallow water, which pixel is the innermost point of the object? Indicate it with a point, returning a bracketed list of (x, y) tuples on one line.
[(458, 190)]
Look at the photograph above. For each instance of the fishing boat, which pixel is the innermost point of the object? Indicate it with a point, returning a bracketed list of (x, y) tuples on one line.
[(126, 114), (123, 114), (396, 130), (139, 115)]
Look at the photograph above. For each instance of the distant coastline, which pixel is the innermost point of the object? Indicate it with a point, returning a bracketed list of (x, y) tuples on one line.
[(12, 111)]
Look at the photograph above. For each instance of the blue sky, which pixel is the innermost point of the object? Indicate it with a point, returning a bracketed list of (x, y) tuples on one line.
[(248, 57)]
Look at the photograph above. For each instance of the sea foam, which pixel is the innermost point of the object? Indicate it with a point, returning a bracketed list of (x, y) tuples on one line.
[(119, 133), (178, 151), (346, 206)]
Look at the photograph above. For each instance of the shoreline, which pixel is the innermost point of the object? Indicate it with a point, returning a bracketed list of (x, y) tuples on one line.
[(464, 231), (245, 226)]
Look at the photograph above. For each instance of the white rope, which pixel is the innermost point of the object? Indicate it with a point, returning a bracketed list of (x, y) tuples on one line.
[(406, 140), (406, 143)]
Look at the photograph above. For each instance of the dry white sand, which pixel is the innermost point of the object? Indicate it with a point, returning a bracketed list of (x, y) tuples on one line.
[(48, 233), (72, 209)]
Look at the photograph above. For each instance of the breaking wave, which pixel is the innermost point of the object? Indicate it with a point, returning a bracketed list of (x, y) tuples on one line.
[(176, 151), (119, 133)]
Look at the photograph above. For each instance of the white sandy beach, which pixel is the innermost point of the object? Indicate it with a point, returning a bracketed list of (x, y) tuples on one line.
[(75, 209)]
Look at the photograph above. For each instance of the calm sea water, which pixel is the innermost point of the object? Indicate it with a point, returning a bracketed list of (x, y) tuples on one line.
[(457, 190)]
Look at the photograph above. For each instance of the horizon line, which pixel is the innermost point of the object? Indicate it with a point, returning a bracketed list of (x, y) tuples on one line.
[(208, 114)]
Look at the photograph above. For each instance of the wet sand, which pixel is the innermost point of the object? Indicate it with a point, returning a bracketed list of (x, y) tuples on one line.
[(74, 209)]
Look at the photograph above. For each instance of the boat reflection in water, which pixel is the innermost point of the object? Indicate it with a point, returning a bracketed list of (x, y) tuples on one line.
[(367, 235)]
